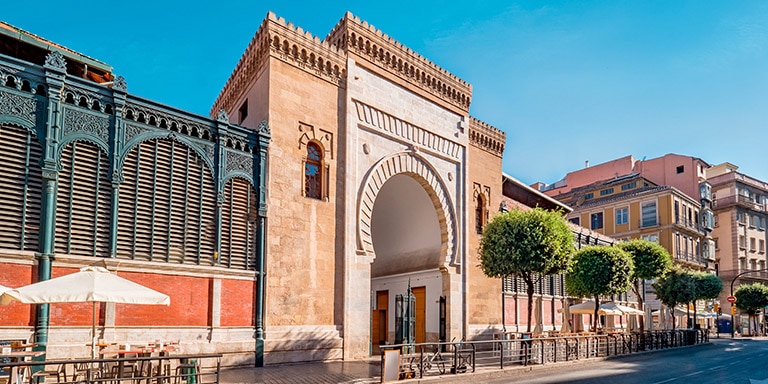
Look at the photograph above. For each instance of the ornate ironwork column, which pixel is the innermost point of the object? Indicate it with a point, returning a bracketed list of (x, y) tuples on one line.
[(55, 71), (261, 275), (119, 90)]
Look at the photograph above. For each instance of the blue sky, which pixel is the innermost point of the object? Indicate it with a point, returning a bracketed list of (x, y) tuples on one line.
[(568, 81)]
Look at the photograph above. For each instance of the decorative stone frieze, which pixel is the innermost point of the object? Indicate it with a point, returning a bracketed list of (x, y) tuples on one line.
[(24, 108), (366, 41), (394, 126), (486, 137), (83, 122)]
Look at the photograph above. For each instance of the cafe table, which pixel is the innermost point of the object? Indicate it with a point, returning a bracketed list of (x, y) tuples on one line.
[(18, 375), (124, 358)]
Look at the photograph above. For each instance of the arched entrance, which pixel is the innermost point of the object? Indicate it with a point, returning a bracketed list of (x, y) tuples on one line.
[(410, 223)]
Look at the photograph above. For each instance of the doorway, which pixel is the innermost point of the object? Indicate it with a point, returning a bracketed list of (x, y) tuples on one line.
[(379, 321)]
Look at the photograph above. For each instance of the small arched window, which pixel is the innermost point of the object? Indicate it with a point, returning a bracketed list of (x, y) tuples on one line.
[(480, 214), (313, 171)]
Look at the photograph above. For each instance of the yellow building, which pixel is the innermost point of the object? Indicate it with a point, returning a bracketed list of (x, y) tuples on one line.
[(633, 207)]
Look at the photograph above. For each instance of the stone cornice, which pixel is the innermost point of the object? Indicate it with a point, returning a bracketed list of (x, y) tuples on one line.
[(406, 131), (281, 40), (486, 137), (365, 41)]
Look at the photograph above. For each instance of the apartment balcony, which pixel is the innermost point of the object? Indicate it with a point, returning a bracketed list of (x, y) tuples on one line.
[(739, 200), (690, 224), (690, 257)]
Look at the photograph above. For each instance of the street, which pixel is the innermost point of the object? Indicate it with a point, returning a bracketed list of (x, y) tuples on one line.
[(724, 361)]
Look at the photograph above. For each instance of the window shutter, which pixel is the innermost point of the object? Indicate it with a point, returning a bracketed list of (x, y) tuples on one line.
[(167, 205), (83, 201), (237, 237), (21, 178)]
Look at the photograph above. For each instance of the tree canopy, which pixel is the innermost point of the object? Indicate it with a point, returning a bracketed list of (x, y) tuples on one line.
[(651, 261), (676, 287), (708, 286), (528, 244), (596, 271), (751, 297)]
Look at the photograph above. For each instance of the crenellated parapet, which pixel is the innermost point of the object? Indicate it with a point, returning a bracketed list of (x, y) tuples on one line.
[(280, 39), (486, 137), (365, 41)]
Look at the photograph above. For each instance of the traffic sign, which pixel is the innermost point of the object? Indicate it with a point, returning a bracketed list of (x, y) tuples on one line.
[(731, 299)]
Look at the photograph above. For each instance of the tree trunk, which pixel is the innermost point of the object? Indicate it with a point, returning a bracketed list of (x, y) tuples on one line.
[(693, 324), (636, 287), (529, 290), (595, 318), (672, 311)]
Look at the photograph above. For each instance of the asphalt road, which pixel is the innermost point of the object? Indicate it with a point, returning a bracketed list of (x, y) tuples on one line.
[(724, 361)]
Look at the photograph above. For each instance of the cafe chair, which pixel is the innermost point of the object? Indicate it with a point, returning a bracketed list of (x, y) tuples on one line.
[(128, 371), (187, 372), (59, 373), (85, 371), (144, 372)]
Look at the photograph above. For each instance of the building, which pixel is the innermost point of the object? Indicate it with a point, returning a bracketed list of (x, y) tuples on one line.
[(633, 207), (333, 175), (92, 174), (740, 228)]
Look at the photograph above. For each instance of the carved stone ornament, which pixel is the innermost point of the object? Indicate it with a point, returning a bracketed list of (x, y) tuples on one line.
[(77, 121), (120, 84), (55, 60), (222, 116), (264, 128), (19, 106)]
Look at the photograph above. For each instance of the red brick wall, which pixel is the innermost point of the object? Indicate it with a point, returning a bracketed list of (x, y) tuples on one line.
[(14, 276), (237, 303), (190, 302)]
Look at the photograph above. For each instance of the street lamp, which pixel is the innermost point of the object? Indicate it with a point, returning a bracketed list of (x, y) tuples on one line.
[(733, 326)]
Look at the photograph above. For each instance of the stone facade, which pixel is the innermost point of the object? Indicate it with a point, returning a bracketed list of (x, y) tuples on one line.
[(387, 120)]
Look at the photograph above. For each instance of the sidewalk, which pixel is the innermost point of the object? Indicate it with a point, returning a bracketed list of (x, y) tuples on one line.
[(357, 372), (369, 371)]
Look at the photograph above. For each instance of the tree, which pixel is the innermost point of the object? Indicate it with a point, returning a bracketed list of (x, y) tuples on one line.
[(708, 287), (528, 244), (596, 271), (676, 287), (651, 261), (751, 298)]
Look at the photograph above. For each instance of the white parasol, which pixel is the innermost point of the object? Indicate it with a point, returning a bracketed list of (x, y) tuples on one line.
[(91, 284)]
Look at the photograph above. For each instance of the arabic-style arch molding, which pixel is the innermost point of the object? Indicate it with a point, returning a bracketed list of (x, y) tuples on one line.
[(411, 164)]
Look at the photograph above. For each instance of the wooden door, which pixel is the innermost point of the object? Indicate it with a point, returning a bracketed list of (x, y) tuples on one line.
[(420, 330), (379, 320)]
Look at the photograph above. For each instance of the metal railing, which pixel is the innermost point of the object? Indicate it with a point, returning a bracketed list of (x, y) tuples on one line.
[(432, 359), (186, 369)]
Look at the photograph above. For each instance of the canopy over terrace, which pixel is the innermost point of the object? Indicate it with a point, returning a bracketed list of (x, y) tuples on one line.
[(605, 309), (90, 284)]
